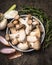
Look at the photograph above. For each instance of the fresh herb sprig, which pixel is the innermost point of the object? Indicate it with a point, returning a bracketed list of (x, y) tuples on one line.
[(44, 19)]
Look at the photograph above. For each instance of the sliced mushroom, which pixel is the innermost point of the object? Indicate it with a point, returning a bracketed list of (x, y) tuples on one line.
[(14, 41), (29, 16), (22, 35), (31, 38), (15, 22), (17, 17), (23, 46), (35, 45), (28, 29), (10, 25), (13, 30), (29, 22), (7, 37), (13, 36), (19, 26), (15, 55), (35, 22), (37, 32)]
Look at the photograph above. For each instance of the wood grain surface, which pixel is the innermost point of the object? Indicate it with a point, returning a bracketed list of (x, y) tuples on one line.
[(36, 57)]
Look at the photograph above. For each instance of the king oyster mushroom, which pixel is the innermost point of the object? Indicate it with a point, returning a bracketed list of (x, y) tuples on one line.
[(35, 45), (23, 46), (31, 38), (22, 35), (36, 32)]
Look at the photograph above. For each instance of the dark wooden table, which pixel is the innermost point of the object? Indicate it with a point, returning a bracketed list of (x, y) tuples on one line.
[(36, 57)]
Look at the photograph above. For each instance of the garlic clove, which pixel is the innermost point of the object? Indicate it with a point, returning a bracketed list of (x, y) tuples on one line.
[(15, 22)]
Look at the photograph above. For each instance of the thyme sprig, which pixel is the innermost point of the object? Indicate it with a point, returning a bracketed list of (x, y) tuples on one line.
[(44, 19)]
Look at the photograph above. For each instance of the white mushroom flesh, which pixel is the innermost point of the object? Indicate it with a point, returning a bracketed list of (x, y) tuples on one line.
[(23, 46), (31, 38), (35, 45), (22, 35)]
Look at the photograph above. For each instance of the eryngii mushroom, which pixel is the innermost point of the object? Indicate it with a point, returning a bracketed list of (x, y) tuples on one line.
[(31, 38), (14, 41), (22, 35), (35, 22), (19, 26), (29, 22), (17, 17), (9, 25), (13, 30), (28, 29), (36, 32), (3, 21), (7, 37), (15, 22), (13, 36), (35, 45), (23, 46)]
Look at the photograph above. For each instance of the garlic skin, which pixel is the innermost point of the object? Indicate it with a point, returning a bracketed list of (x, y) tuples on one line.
[(23, 46), (3, 24), (11, 14)]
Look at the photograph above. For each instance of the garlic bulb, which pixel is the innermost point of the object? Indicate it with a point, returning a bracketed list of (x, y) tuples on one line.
[(3, 24), (11, 14)]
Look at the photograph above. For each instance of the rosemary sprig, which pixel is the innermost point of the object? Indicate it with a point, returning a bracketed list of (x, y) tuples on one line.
[(44, 19)]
